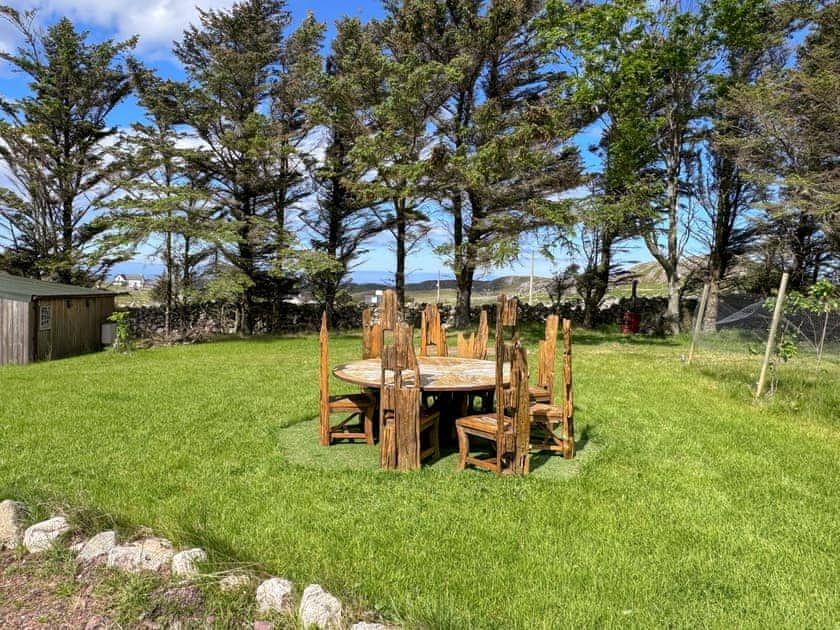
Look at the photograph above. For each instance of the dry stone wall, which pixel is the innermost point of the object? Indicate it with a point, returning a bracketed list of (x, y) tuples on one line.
[(214, 318)]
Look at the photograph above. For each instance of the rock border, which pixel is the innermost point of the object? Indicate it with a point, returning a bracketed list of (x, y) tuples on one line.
[(316, 608)]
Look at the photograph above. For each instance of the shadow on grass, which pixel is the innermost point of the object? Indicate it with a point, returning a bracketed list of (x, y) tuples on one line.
[(298, 445)]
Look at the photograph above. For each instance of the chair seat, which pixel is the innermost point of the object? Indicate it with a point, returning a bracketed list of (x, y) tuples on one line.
[(544, 411), (539, 393), (483, 423), (350, 402)]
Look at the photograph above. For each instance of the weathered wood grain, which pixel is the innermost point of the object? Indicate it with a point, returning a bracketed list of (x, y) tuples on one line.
[(437, 374)]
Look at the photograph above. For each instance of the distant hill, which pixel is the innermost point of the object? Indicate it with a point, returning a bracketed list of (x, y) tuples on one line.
[(515, 285)]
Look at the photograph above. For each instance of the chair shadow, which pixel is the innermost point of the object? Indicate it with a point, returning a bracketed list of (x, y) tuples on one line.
[(541, 458)]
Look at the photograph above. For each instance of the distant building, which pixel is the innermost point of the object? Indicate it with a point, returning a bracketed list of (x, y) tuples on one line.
[(46, 320), (130, 281)]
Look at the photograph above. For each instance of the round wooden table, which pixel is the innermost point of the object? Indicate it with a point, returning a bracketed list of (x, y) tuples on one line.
[(437, 374)]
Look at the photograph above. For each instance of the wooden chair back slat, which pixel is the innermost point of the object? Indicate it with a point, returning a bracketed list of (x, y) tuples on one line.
[(505, 353), (367, 335), (521, 411), (548, 354), (482, 335), (400, 402), (388, 312), (324, 400), (465, 346), (508, 311), (432, 333), (568, 392)]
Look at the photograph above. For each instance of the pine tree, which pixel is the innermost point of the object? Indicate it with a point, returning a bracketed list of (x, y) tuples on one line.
[(500, 156), (246, 91), (54, 142), (341, 219)]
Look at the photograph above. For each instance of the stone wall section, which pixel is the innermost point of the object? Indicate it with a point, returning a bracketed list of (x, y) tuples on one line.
[(214, 318)]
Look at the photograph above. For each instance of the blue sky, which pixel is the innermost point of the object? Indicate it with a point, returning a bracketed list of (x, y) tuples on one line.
[(159, 22)]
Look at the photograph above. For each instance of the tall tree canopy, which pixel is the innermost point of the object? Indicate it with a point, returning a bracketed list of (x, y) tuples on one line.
[(248, 85), (55, 144)]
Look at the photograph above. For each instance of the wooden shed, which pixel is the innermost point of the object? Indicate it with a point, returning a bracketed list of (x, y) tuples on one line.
[(45, 320)]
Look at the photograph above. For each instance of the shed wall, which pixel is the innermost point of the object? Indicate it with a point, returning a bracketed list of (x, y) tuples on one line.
[(75, 326), (15, 331)]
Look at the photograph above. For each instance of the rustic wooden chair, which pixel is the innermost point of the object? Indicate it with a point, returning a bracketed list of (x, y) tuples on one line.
[(403, 422), (552, 427), (358, 407), (474, 346), (543, 391), (432, 333), (508, 428)]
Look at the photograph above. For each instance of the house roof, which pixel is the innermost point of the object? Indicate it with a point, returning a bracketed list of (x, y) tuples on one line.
[(23, 289), (130, 276)]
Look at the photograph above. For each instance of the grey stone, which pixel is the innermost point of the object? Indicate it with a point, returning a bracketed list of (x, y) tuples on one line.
[(99, 545), (11, 531), (320, 609), (184, 563), (366, 625), (234, 582), (274, 595), (148, 554), (42, 536)]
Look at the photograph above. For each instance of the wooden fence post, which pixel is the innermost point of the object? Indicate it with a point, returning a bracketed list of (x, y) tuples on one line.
[(771, 338), (701, 313)]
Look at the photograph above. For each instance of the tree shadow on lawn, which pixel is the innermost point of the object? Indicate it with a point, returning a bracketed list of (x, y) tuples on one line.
[(298, 445)]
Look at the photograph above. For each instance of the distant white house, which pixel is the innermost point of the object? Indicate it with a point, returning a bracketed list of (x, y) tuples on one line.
[(130, 281)]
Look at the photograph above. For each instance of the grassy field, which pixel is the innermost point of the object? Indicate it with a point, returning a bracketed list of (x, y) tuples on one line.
[(689, 506)]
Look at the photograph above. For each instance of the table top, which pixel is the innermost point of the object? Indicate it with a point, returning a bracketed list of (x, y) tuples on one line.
[(437, 374)]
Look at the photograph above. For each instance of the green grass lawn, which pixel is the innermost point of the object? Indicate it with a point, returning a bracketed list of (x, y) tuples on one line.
[(690, 506)]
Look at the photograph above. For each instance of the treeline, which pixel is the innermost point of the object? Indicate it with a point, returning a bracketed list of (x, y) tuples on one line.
[(276, 163)]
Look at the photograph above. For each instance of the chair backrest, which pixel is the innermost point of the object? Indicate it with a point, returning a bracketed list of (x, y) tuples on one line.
[(324, 380), (388, 312), (432, 333), (399, 404), (505, 354), (547, 355), (371, 336), (568, 392), (474, 346)]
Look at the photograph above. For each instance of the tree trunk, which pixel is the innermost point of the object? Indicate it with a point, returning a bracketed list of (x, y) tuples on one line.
[(169, 263), (672, 313), (399, 275), (464, 282), (713, 302)]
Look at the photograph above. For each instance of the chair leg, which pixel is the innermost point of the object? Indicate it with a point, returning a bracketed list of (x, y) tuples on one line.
[(368, 420), (463, 449), (434, 435)]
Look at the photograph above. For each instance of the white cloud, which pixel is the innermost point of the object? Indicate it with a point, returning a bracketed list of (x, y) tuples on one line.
[(157, 22)]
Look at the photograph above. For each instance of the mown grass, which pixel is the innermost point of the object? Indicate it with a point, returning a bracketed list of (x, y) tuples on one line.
[(690, 504)]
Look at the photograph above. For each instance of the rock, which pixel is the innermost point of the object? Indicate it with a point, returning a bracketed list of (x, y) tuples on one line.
[(263, 625), (11, 515), (366, 625), (41, 536), (148, 554), (320, 609), (184, 597), (274, 595), (184, 563), (234, 582), (99, 545)]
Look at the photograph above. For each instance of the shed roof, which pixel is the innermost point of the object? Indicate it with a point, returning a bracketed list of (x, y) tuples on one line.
[(23, 289)]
